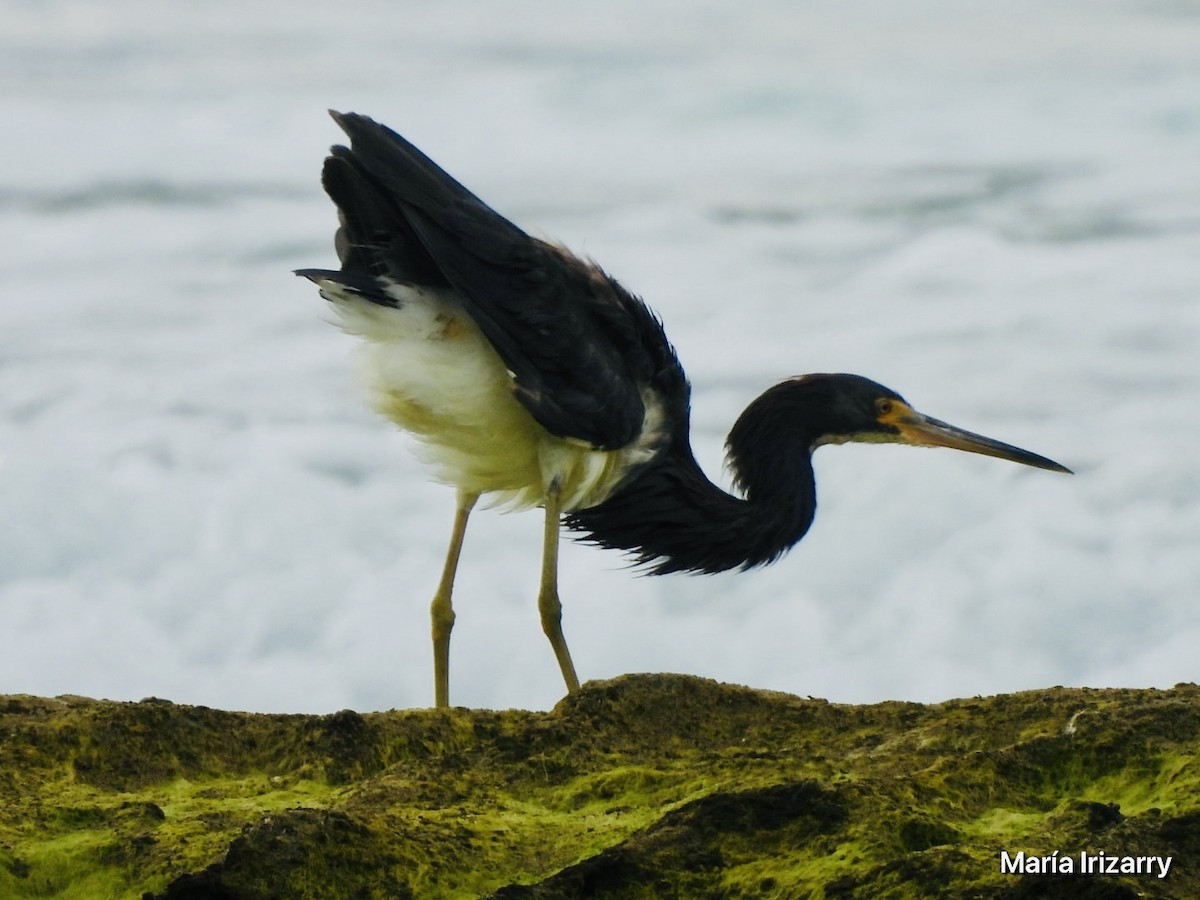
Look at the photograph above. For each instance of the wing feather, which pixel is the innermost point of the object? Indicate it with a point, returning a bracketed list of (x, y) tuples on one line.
[(581, 348)]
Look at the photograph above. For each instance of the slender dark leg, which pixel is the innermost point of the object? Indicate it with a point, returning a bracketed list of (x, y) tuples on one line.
[(548, 603), (441, 610)]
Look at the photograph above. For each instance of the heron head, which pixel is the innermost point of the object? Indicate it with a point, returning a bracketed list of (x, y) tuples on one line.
[(862, 411)]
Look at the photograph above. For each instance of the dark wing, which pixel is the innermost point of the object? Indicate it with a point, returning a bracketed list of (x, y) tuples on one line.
[(579, 346)]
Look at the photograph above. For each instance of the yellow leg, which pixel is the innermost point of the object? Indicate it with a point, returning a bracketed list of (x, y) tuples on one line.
[(441, 610), (548, 603)]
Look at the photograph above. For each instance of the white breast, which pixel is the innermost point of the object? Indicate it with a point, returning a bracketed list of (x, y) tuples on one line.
[(429, 369)]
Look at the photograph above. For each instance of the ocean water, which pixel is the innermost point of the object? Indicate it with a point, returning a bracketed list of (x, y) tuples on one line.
[(993, 210)]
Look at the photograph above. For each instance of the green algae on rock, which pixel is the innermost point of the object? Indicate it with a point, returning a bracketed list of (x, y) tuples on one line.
[(643, 786)]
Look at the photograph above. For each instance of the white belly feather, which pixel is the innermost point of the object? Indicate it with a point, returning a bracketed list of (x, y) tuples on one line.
[(429, 369)]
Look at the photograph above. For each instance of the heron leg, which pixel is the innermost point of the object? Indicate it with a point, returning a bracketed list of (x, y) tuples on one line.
[(441, 610), (549, 606)]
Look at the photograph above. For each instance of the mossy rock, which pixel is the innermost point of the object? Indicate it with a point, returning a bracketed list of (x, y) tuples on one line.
[(643, 786)]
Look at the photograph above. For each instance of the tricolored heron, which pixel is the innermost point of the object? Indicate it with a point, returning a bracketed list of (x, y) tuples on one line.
[(531, 375)]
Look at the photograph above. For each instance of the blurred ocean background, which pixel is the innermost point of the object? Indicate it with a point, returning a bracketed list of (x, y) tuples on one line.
[(994, 209)]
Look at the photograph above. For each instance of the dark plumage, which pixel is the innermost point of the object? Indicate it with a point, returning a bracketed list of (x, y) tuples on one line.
[(532, 374), (675, 520), (563, 328)]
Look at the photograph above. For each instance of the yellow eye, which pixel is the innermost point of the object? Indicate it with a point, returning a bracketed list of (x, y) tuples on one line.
[(883, 406)]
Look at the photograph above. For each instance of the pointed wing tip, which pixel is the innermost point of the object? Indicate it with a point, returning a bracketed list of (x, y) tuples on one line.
[(315, 275), (350, 122)]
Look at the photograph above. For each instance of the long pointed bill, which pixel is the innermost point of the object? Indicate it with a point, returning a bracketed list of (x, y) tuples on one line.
[(927, 432)]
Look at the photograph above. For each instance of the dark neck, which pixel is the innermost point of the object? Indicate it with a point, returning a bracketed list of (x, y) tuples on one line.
[(673, 519)]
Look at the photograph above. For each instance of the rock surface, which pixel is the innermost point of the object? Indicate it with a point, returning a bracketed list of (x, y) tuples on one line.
[(644, 786)]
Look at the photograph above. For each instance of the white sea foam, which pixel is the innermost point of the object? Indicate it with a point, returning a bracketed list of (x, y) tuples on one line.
[(992, 211)]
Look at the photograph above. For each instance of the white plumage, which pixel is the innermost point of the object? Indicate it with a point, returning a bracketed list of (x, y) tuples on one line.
[(429, 369)]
